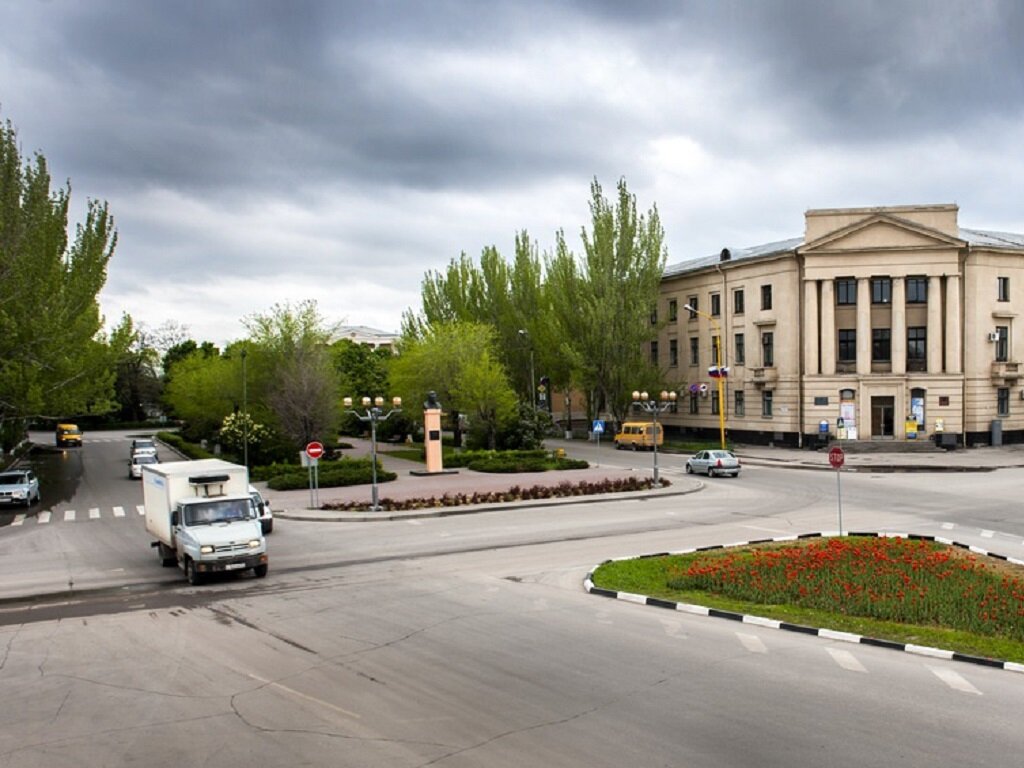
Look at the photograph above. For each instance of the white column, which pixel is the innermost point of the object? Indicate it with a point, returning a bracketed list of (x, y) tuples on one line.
[(899, 326), (828, 328), (863, 325), (934, 324), (953, 324), (811, 327)]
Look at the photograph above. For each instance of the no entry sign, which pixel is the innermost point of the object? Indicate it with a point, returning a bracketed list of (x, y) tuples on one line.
[(315, 450)]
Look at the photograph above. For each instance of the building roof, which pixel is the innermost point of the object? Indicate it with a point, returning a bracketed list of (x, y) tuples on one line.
[(362, 334), (974, 237)]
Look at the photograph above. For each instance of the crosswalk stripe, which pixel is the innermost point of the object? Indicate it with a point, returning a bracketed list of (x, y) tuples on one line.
[(44, 517), (94, 513), (948, 526), (69, 515), (141, 508), (118, 511), (752, 643), (987, 534), (846, 660), (19, 519), (954, 680)]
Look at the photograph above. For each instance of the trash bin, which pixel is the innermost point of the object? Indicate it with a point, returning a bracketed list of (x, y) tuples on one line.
[(997, 432)]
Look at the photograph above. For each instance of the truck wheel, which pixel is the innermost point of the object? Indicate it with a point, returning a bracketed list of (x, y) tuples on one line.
[(193, 576), (166, 555), (260, 570)]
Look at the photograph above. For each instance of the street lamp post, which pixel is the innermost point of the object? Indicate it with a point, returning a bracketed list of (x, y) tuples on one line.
[(245, 413), (665, 401), (373, 412), (721, 371)]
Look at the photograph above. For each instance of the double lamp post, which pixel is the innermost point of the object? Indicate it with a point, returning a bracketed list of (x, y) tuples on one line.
[(373, 412)]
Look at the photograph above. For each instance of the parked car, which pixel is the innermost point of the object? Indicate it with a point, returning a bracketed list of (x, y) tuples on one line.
[(263, 511), (137, 461), (715, 462), (19, 486)]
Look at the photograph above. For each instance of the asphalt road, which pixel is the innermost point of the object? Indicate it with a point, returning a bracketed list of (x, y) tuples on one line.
[(468, 640)]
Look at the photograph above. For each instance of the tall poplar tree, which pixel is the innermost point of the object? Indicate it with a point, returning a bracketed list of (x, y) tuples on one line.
[(54, 361)]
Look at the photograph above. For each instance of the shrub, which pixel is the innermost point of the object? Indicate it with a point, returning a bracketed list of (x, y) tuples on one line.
[(191, 450), (332, 475)]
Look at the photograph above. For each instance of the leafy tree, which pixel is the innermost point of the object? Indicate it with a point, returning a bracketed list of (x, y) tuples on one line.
[(603, 304), (137, 386), (54, 361), (293, 373), (459, 362), (203, 391)]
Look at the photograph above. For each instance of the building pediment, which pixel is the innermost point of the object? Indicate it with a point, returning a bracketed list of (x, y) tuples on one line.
[(881, 232)]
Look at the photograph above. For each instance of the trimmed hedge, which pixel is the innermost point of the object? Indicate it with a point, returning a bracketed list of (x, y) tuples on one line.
[(534, 460), (332, 474), (191, 450)]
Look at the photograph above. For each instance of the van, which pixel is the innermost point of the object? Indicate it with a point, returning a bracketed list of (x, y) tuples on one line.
[(638, 434), (68, 434)]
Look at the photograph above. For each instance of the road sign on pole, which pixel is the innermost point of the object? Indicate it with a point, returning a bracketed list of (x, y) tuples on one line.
[(314, 450), (836, 457)]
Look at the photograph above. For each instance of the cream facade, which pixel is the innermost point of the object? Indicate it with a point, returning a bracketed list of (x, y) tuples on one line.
[(878, 324)]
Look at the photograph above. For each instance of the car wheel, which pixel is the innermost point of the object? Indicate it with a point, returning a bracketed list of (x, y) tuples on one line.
[(633, 447), (689, 469), (260, 570), (193, 575), (711, 472)]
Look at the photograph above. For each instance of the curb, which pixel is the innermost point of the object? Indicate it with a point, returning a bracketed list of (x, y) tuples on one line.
[(830, 634), (327, 516)]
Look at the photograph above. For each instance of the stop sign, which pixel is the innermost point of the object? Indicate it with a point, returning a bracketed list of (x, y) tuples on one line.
[(836, 457), (315, 450)]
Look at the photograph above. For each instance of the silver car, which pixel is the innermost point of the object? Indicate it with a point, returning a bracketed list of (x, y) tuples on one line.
[(714, 462), (19, 486)]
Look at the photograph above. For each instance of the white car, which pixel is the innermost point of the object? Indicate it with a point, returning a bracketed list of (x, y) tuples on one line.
[(716, 462), (262, 507), (137, 461), (142, 446), (19, 486)]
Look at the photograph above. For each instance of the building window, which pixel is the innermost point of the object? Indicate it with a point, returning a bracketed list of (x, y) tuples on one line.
[(694, 350), (673, 352), (673, 310), (881, 345), (716, 304), (847, 352), (1003, 401), (1003, 288), (767, 349), (766, 403), (654, 353), (737, 301), (739, 407), (846, 291), (693, 402), (714, 402), (715, 349), (881, 290), (917, 290), (739, 354), (692, 303), (1003, 343), (654, 315), (766, 297), (917, 349)]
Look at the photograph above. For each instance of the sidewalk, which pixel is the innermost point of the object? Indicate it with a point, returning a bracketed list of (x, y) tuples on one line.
[(296, 505)]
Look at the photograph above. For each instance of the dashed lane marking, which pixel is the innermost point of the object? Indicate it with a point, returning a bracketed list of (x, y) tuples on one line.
[(752, 643), (846, 660), (953, 680)]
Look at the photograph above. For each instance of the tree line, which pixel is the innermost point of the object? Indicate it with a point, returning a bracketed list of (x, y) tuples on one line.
[(488, 332)]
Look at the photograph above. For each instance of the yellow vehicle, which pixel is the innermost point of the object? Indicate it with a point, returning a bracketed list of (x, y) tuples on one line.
[(638, 434), (68, 434)]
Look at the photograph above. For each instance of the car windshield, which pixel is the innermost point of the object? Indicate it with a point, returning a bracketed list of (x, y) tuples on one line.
[(226, 511), (144, 459), (12, 479)]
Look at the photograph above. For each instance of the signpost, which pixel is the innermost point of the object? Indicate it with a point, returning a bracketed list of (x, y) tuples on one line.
[(314, 451), (837, 458), (598, 430)]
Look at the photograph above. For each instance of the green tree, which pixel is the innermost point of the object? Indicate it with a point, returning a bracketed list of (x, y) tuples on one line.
[(137, 386), (54, 361), (203, 390), (459, 362), (603, 304)]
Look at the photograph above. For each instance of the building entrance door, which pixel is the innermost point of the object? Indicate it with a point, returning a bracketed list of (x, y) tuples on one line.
[(883, 411)]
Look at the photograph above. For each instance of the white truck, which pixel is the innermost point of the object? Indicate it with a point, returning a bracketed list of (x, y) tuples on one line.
[(203, 518)]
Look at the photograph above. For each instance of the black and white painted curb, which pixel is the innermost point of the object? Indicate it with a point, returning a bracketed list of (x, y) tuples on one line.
[(829, 634)]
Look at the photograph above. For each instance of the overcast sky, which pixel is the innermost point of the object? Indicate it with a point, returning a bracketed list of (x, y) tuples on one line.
[(255, 153)]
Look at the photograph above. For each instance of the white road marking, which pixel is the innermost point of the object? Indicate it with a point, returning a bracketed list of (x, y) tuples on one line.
[(69, 515), (846, 660), (141, 508), (954, 680), (118, 511), (414, 522), (948, 526), (987, 534), (752, 643), (94, 513), (44, 517), (18, 520), (305, 697)]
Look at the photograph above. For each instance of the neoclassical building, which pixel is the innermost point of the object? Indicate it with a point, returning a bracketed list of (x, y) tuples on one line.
[(882, 323)]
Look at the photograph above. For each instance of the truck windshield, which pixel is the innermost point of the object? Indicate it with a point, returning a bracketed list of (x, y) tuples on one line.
[(226, 511)]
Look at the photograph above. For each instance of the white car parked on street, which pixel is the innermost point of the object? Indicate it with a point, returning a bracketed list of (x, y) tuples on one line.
[(19, 486)]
